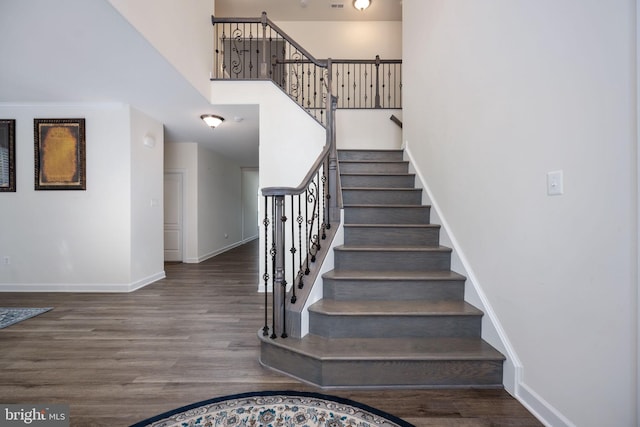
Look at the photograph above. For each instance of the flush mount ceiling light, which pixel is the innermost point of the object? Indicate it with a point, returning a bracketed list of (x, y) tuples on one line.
[(212, 120), (361, 4)]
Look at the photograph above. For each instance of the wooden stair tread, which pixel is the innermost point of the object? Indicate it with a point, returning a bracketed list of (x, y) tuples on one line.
[(382, 189), (394, 308), (376, 174), (392, 248), (373, 161), (393, 225), (367, 349), (382, 206), (393, 275)]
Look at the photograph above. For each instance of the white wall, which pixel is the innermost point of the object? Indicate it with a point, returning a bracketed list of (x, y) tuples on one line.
[(347, 39), (80, 240), (189, 50), (147, 199), (290, 139), (213, 193), (370, 129), (250, 197), (219, 204), (496, 94)]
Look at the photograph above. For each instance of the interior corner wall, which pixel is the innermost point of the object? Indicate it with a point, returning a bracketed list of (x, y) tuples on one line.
[(368, 129), (147, 199), (284, 128), (70, 240), (496, 94), (212, 220), (219, 204), (189, 50), (250, 197)]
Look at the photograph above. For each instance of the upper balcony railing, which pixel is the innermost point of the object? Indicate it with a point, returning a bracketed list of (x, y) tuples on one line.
[(256, 48)]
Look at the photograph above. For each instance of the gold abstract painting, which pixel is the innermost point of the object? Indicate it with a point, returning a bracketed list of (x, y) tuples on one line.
[(59, 154)]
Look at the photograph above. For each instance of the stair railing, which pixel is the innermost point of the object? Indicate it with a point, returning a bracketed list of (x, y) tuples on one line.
[(297, 219), (256, 48), (313, 206)]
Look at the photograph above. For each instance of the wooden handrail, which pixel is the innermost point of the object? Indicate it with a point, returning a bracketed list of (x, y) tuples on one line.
[(266, 21)]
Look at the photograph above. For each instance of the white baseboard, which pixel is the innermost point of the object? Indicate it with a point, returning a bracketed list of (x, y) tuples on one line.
[(547, 414), (146, 281), (82, 287), (205, 257)]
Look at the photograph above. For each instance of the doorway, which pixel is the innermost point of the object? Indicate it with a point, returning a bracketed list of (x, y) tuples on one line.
[(173, 216)]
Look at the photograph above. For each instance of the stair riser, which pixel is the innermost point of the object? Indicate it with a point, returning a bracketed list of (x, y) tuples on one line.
[(359, 155), (392, 260), (391, 236), (393, 290), (378, 181), (427, 373), (387, 215), (374, 167), (382, 197), (382, 373), (393, 326)]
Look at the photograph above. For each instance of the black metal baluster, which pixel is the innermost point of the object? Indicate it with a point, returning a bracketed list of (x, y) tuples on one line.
[(273, 271), (320, 227), (299, 220), (293, 258), (283, 275), (265, 276), (325, 203), (306, 230)]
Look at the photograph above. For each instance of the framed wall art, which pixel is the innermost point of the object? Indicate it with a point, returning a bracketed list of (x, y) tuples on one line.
[(60, 154), (7, 155)]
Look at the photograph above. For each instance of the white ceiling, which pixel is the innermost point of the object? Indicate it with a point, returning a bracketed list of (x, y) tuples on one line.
[(311, 10), (84, 51)]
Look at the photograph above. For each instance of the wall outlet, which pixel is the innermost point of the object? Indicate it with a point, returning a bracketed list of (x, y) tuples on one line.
[(6, 260)]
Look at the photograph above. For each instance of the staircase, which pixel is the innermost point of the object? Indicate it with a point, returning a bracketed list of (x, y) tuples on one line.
[(393, 313)]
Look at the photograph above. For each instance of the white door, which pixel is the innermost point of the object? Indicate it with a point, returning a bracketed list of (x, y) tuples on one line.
[(173, 216)]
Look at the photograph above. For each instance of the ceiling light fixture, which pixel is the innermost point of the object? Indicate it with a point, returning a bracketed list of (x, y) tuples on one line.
[(361, 4), (212, 120)]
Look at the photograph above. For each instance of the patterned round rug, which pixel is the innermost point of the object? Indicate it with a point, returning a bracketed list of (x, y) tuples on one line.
[(275, 408)]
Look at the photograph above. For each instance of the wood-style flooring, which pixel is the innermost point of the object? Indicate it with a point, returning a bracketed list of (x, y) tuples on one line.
[(119, 358)]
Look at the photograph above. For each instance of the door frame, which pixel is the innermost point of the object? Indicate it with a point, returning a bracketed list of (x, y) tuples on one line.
[(184, 225)]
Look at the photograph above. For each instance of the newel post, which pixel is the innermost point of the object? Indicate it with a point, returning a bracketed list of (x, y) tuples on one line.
[(332, 175), (279, 280), (264, 66), (378, 81)]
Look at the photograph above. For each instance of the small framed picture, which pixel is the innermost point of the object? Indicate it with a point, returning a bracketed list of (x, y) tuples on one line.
[(60, 154), (7, 155)]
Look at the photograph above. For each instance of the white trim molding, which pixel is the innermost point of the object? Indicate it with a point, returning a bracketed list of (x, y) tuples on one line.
[(82, 287)]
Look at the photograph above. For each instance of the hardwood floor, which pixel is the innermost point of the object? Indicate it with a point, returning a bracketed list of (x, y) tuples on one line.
[(119, 358)]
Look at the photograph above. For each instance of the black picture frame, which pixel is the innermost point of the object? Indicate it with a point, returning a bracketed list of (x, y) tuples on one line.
[(7, 155), (60, 154)]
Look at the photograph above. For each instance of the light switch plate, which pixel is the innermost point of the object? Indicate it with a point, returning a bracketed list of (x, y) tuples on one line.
[(555, 185)]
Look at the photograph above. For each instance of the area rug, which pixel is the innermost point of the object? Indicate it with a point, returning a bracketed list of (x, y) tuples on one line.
[(12, 315), (275, 408)]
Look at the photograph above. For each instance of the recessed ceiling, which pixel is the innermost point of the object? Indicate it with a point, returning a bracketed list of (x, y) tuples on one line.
[(310, 10)]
